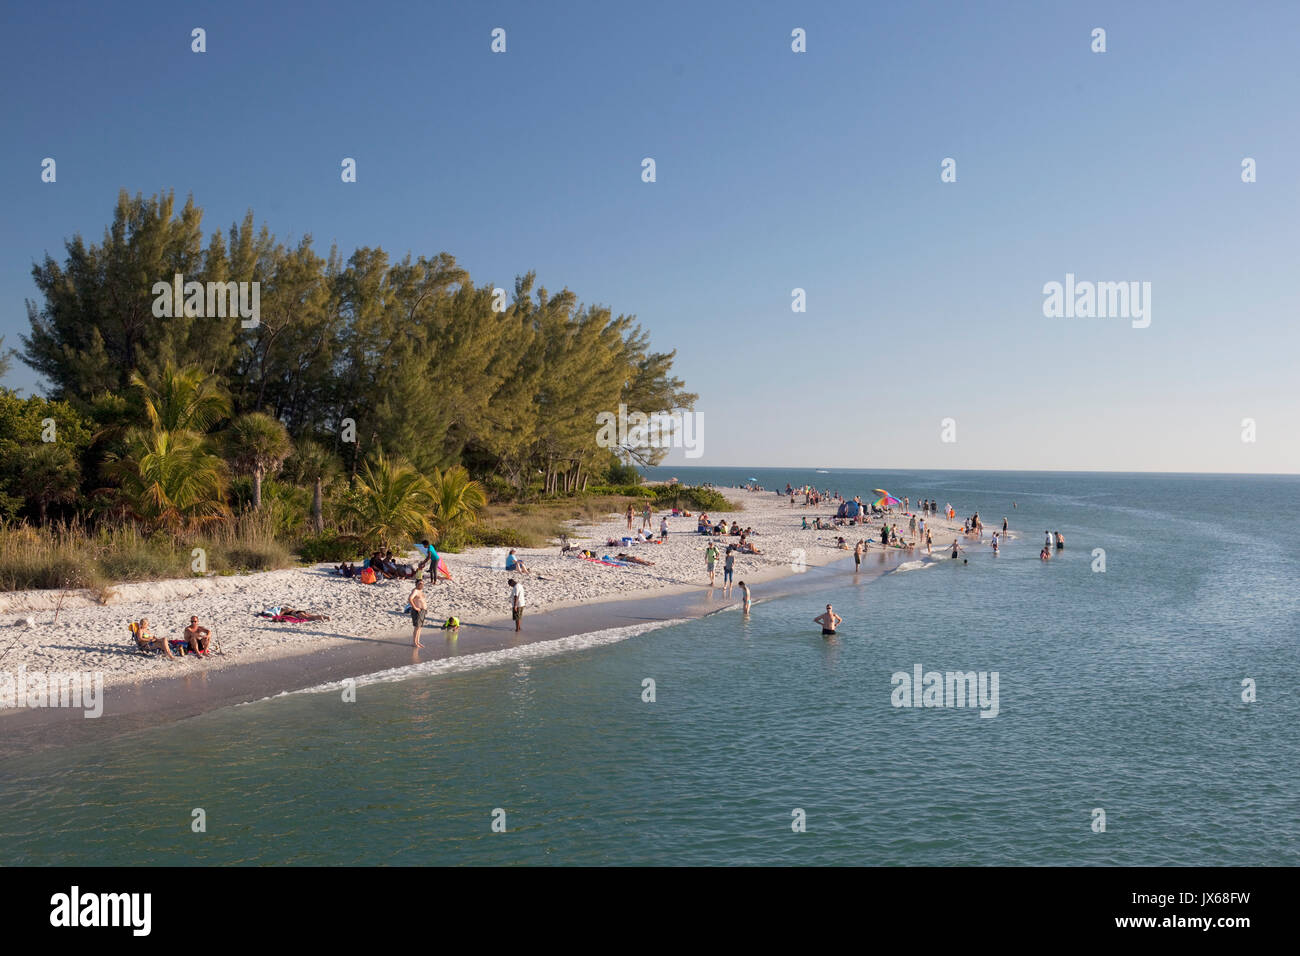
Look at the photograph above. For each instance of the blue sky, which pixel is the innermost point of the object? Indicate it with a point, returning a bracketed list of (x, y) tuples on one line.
[(776, 170)]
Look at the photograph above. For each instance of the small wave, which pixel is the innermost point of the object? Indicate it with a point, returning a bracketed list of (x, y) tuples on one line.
[(914, 565), (506, 655)]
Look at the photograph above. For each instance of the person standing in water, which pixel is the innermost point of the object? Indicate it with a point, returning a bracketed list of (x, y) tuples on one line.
[(744, 592), (955, 548), (728, 569), (830, 621), (419, 607), (1004, 526), (1060, 541), (857, 557), (516, 602)]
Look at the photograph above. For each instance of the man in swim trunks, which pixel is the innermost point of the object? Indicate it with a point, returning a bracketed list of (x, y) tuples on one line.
[(857, 557), (419, 606), (1060, 541), (196, 638), (829, 621)]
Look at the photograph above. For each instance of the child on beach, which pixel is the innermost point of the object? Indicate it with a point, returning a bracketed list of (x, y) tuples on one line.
[(710, 558)]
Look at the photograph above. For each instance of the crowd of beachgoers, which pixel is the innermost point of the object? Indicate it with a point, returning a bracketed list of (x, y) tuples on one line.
[(161, 628)]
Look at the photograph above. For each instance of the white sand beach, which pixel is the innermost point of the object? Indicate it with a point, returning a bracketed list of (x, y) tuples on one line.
[(90, 636)]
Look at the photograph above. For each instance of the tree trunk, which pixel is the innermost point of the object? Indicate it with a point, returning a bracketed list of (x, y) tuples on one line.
[(257, 489), (317, 519)]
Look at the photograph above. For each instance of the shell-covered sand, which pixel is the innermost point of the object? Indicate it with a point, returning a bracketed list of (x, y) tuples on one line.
[(93, 637)]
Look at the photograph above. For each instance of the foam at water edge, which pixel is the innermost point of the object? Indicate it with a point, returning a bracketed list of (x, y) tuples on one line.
[(506, 655)]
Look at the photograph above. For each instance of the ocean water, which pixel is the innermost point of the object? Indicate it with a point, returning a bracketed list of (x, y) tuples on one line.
[(1119, 691)]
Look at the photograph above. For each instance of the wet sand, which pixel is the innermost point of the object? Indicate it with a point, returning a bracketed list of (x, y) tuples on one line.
[(165, 700)]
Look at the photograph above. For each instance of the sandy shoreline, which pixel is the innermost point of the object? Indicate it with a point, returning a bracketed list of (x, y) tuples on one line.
[(92, 638)]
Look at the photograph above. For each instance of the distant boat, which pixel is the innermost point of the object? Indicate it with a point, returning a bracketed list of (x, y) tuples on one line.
[(822, 471)]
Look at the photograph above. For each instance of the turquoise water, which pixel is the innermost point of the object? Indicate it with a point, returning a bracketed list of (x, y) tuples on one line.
[(1119, 690)]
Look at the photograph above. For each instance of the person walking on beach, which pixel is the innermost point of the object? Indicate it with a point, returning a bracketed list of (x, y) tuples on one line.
[(663, 528), (728, 569), (419, 607), (830, 621), (516, 602), (645, 517), (710, 558), (911, 527), (629, 516)]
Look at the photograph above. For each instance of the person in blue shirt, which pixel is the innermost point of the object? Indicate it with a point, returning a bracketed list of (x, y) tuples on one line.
[(430, 558), (514, 564)]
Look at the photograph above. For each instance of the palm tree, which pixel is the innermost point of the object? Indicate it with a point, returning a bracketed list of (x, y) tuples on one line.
[(171, 480), (311, 462), (258, 444), (47, 474), (391, 500), (457, 501), (186, 399)]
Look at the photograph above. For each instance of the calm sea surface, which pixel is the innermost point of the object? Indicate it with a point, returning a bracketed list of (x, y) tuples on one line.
[(1119, 691)]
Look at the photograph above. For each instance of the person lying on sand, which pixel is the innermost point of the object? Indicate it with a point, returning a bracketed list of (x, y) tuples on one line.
[(302, 615), (634, 560), (196, 637), (347, 569), (147, 642)]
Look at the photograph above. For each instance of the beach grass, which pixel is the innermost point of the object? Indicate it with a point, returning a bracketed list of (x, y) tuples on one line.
[(73, 555)]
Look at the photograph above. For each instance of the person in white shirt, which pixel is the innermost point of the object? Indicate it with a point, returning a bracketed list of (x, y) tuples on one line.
[(516, 601)]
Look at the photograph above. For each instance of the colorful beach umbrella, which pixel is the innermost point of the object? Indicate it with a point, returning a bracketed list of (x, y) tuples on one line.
[(886, 500)]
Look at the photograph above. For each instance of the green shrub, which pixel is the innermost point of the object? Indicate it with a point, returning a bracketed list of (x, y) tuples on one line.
[(625, 491), (699, 499), (330, 547), (484, 537), (621, 474)]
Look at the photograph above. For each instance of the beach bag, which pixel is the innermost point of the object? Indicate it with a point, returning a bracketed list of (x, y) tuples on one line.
[(368, 576)]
